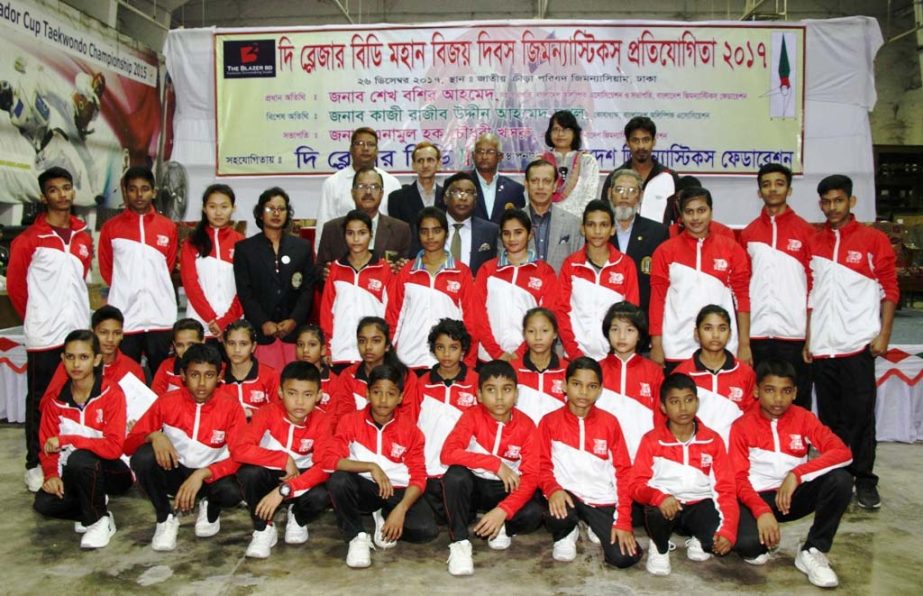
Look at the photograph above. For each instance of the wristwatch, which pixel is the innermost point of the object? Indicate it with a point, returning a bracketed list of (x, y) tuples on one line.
[(285, 490)]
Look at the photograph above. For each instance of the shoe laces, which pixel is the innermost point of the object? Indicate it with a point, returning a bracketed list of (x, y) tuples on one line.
[(818, 557)]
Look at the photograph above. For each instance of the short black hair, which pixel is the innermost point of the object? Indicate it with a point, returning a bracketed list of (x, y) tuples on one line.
[(106, 312), (497, 369), (775, 367), (564, 119), (712, 309), (201, 354), (312, 328), (242, 325), (835, 182), (598, 205), (135, 172), (356, 215), (361, 171), (519, 215), (266, 196), (453, 328), (642, 122), (774, 168), (188, 324), (83, 335), (677, 381), (583, 363), (535, 163), (432, 213), (694, 192), (542, 311), (51, 174), (300, 371), (629, 312), (457, 177), (387, 372)]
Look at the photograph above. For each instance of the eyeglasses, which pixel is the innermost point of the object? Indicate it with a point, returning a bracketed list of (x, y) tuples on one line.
[(626, 190), (457, 193), (487, 152), (368, 187), (364, 144), (269, 209)]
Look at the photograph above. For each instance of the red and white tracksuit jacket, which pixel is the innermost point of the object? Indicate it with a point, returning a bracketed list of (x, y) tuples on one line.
[(586, 457), (271, 438), (586, 294), (136, 255), (481, 443), (690, 472), (209, 281), (98, 426), (260, 388), (167, 378), (120, 366), (852, 270), (46, 282), (328, 381), (439, 409), (723, 397), (764, 451), (348, 296), (349, 391), (202, 434), (418, 300), (779, 261), (505, 293), (397, 447), (688, 273), (631, 393), (540, 392)]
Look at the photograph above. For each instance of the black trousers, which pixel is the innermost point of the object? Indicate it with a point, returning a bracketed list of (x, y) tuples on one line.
[(699, 520), (40, 367), (155, 345), (599, 519), (159, 484), (846, 395), (465, 494), (827, 497), (354, 496), (791, 352), (87, 479), (256, 482)]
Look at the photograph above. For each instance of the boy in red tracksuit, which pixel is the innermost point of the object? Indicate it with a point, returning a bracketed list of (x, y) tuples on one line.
[(185, 333), (584, 471), (47, 284), (181, 447), (776, 482), (492, 458), (281, 455), (137, 252), (82, 433), (380, 470), (684, 479), (592, 279)]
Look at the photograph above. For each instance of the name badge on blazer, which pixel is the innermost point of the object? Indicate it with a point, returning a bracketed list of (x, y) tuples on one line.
[(484, 247), (646, 265), (564, 239)]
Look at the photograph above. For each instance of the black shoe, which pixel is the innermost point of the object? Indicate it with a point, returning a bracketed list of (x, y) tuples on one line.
[(867, 497)]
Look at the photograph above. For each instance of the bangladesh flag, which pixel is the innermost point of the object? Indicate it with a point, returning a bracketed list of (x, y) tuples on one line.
[(785, 69)]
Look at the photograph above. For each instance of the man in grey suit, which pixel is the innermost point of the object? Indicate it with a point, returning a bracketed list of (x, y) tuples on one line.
[(555, 233), (390, 236)]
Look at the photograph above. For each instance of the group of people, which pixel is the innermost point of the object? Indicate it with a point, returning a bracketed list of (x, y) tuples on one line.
[(443, 344)]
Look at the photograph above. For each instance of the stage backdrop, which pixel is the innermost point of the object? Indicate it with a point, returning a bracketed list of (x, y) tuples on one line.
[(73, 95), (829, 64)]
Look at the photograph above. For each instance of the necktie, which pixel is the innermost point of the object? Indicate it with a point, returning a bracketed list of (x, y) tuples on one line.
[(455, 247)]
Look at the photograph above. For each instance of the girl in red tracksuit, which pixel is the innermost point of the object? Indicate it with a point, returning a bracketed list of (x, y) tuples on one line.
[(310, 347), (207, 263), (540, 371), (255, 384), (684, 479), (508, 286), (726, 384), (350, 391), (356, 287), (631, 382), (81, 436)]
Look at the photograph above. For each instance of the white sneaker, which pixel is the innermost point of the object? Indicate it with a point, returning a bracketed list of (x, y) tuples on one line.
[(165, 535), (565, 549), (262, 542), (80, 528), (359, 554), (815, 565), (294, 533), (203, 527), (590, 534), (694, 550), (657, 564), (97, 535), (380, 541), (500, 542), (34, 479), (758, 560), (460, 561)]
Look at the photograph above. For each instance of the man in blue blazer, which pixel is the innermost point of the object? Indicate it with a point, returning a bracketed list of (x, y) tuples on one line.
[(406, 202), (496, 193)]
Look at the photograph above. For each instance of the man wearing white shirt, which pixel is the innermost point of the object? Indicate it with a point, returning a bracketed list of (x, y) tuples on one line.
[(336, 198), (495, 193), (470, 239)]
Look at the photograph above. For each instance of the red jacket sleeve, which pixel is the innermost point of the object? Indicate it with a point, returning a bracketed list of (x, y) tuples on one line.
[(105, 252), (396, 298), (482, 329), (236, 426), (562, 312), (528, 477), (740, 278), (339, 444), (151, 421), (740, 460), (885, 263), (470, 314), (416, 461), (455, 449), (622, 463), (546, 480), (643, 471), (16, 272), (413, 397), (48, 427), (833, 452), (111, 444), (342, 396), (190, 276), (172, 245), (632, 292), (660, 283), (723, 471), (160, 384), (248, 448)]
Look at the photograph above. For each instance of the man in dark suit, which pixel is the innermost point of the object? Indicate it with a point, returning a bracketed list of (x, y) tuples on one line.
[(390, 236), (470, 239), (405, 203), (556, 233), (635, 236), (496, 193)]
